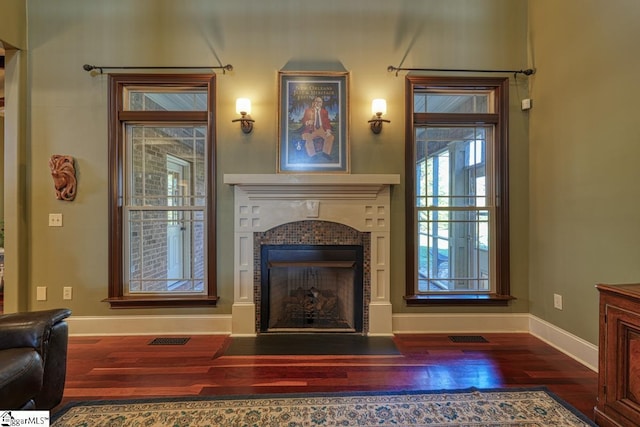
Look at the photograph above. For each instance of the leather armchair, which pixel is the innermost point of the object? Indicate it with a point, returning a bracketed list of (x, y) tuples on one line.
[(33, 358)]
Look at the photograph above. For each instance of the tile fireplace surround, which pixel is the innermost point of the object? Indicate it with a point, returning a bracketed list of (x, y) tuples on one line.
[(265, 201)]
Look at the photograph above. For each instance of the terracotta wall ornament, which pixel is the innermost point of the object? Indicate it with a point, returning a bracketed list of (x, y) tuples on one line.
[(63, 172)]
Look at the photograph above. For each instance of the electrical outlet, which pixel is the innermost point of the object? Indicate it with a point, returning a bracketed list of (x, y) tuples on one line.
[(557, 301), (67, 292), (55, 220), (41, 293)]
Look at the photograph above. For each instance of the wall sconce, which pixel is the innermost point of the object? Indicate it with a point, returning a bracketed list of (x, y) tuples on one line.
[(243, 107), (378, 108)]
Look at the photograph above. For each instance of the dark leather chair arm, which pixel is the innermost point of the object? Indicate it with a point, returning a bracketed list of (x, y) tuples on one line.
[(47, 333), (30, 329)]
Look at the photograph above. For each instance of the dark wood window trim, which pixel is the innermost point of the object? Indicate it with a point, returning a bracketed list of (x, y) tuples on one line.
[(117, 117), (501, 160)]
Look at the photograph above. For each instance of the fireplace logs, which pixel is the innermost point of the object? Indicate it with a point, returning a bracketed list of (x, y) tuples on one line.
[(310, 306)]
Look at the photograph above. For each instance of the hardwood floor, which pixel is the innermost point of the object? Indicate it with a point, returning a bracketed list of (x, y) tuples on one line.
[(128, 367)]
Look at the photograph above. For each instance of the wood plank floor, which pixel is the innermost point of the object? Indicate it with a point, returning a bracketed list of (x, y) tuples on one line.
[(128, 367)]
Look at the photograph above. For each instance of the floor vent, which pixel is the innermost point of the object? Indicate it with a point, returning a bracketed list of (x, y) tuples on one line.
[(467, 338), (169, 341)]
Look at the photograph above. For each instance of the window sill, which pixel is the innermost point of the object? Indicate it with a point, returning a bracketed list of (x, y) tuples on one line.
[(459, 299), (152, 302)]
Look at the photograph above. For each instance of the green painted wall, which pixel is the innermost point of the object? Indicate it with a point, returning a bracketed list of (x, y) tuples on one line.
[(13, 23), (584, 146), (68, 107)]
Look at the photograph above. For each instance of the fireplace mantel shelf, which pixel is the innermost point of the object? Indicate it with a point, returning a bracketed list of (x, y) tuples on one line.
[(311, 183), (309, 179)]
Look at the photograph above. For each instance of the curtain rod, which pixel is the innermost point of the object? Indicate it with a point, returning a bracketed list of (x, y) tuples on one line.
[(88, 67), (527, 72)]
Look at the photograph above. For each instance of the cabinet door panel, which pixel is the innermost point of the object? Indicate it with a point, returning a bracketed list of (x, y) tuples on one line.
[(633, 368), (623, 364)]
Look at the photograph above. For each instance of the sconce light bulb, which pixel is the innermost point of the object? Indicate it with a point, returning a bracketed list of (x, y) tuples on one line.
[(243, 106), (379, 107)]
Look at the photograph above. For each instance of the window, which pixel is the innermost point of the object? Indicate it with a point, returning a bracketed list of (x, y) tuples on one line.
[(457, 191), (162, 246)]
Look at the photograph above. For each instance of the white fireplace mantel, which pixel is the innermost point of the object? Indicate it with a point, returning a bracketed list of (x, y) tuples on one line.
[(322, 186), (264, 201)]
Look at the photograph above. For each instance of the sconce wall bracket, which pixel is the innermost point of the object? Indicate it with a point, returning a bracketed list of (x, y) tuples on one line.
[(246, 122), (376, 124)]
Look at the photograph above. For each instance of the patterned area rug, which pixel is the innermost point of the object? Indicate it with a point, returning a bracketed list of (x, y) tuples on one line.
[(470, 407)]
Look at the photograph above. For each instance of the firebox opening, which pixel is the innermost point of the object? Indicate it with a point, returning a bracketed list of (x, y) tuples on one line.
[(309, 288)]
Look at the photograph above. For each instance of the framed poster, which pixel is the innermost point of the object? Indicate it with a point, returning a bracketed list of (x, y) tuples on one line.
[(313, 122)]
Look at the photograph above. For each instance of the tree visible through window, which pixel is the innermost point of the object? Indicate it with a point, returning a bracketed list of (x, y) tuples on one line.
[(457, 208), (162, 228)]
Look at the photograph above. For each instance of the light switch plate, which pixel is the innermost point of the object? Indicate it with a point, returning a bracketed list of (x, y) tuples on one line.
[(557, 301)]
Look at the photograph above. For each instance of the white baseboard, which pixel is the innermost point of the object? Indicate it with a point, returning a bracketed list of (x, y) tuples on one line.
[(149, 325), (442, 323), (573, 346), (402, 323)]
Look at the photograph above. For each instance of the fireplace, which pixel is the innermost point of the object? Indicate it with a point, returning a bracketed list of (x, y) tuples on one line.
[(339, 249), (307, 288), (296, 209)]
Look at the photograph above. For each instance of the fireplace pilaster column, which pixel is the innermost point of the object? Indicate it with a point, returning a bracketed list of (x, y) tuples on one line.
[(243, 311), (380, 309)]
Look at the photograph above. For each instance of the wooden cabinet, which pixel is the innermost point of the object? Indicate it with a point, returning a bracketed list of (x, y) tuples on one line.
[(619, 356)]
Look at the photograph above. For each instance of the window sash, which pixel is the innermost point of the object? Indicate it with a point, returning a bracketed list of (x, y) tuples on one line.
[(451, 255), (454, 101), (454, 215), (449, 163), (144, 152), (143, 279), (153, 239), (154, 98)]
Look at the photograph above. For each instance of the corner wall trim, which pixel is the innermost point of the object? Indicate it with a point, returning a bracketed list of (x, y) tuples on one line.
[(571, 345)]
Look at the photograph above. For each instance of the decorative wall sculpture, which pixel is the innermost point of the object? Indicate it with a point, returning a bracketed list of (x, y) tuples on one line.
[(63, 172)]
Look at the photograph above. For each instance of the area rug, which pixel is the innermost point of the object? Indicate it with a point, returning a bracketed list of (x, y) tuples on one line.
[(469, 407)]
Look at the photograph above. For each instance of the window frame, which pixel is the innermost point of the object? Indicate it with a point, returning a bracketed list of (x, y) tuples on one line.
[(118, 117), (500, 120)]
